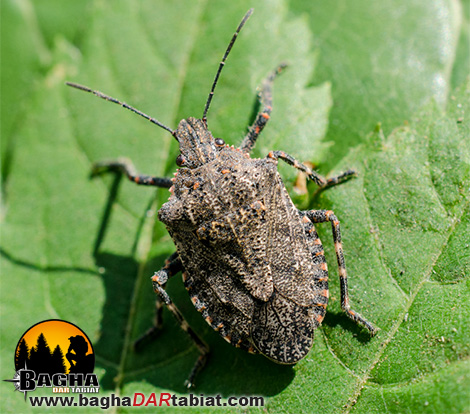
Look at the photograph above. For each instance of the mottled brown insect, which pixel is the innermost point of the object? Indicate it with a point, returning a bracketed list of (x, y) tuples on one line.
[(252, 262)]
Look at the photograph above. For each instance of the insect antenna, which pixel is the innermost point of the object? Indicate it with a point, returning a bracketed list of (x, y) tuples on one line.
[(222, 63), (123, 104)]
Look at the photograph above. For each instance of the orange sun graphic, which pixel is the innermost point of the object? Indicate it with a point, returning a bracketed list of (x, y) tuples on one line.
[(56, 332)]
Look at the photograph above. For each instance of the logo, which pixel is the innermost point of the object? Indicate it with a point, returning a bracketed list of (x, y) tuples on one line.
[(55, 354)]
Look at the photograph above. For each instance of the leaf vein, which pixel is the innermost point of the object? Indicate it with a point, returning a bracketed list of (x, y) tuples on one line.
[(400, 319)]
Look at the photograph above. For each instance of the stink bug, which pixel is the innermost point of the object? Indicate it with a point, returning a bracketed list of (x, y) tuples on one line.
[(251, 261)]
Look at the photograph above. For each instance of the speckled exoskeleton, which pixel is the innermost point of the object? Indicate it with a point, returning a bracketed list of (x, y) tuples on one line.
[(251, 261)]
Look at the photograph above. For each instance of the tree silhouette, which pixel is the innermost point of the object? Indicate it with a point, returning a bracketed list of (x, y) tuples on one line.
[(58, 363), (32, 359), (40, 359), (40, 356), (21, 355)]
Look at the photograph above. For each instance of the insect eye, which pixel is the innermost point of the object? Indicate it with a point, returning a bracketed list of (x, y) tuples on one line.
[(219, 142), (180, 160)]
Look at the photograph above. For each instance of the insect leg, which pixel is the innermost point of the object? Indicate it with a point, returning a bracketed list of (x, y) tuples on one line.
[(159, 280), (171, 268), (266, 99), (321, 181), (125, 166), (321, 216)]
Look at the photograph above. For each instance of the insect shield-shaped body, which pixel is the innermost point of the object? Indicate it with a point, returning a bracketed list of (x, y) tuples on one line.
[(249, 255), (251, 261)]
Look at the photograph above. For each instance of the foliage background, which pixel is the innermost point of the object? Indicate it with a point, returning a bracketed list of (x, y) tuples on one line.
[(378, 86)]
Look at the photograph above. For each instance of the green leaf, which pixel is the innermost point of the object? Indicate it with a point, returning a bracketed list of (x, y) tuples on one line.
[(83, 250), (413, 200), (18, 76), (460, 70), (385, 60)]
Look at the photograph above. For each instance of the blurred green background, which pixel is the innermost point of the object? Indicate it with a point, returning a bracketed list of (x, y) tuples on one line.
[(381, 87)]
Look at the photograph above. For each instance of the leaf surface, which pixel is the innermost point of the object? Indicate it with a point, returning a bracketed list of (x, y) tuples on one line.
[(83, 250)]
